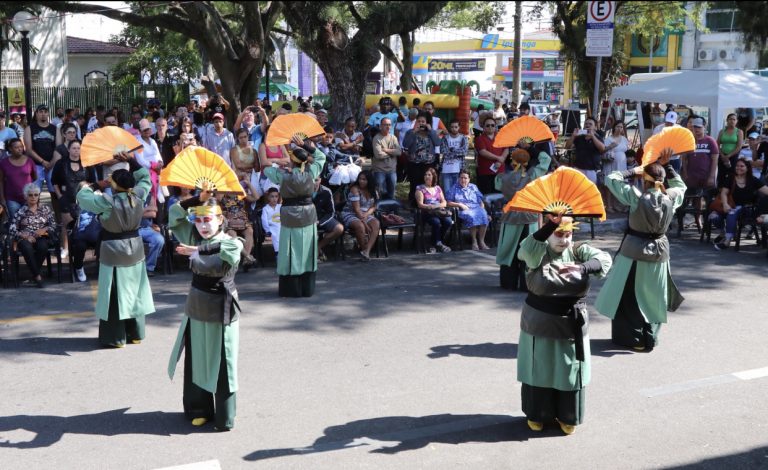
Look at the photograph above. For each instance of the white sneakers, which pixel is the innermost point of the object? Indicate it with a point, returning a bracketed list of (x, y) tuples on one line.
[(64, 253), (80, 274)]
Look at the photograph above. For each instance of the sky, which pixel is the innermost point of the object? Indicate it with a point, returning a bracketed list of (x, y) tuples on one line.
[(92, 26)]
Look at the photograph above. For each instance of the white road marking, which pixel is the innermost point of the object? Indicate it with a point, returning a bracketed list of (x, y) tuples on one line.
[(207, 465), (705, 382)]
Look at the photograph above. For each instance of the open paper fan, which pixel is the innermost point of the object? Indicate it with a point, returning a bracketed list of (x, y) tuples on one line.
[(679, 139), (527, 127), (196, 166), (102, 144), (284, 127), (566, 190)]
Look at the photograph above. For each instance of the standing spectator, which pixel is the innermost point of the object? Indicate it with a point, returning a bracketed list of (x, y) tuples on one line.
[(256, 126), (40, 143), (730, 139), (417, 104), (68, 134), (151, 159), (332, 229), (6, 134), (588, 146), (96, 121), (453, 147), (437, 123), (216, 105), (32, 228), (386, 149), (67, 176), (746, 119), (469, 200), (401, 128), (499, 115), (512, 112), (524, 110), (350, 140), (402, 103), (489, 158), (219, 140), (670, 120), (423, 145), (477, 127), (164, 141), (16, 172), (187, 136), (615, 159), (700, 167), (16, 125), (430, 199), (133, 127), (385, 104), (58, 118)]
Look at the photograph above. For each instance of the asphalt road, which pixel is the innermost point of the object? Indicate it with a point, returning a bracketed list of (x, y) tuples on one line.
[(399, 363)]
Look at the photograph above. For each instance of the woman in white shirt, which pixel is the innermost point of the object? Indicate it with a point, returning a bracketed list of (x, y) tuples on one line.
[(150, 158), (614, 159)]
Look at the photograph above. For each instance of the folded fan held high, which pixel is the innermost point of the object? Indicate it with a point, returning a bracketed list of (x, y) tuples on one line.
[(565, 191)]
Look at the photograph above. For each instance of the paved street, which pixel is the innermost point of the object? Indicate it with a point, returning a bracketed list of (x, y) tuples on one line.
[(400, 363)]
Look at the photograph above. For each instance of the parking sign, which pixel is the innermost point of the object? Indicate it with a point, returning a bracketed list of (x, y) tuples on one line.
[(600, 28)]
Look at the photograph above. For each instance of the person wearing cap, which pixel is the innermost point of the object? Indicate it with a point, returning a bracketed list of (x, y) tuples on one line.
[(753, 153), (151, 159), (209, 332), (699, 168), (670, 120), (322, 116), (385, 111), (639, 290), (124, 294), (40, 141), (553, 359), (297, 259), (731, 140), (218, 139)]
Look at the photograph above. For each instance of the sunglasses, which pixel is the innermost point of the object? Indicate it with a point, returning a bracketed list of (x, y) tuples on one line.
[(490, 125), (33, 195)]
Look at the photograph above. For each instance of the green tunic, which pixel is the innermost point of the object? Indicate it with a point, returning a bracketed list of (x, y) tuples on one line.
[(298, 232), (546, 362), (513, 223), (134, 294), (206, 337), (650, 212)]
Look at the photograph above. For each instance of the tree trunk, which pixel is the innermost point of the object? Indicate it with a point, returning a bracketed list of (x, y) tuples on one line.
[(517, 57), (406, 79)]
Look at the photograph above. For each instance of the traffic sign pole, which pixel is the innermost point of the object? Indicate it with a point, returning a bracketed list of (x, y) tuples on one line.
[(596, 103)]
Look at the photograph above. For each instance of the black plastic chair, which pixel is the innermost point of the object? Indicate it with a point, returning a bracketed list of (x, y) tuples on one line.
[(391, 206), (54, 249), (494, 205)]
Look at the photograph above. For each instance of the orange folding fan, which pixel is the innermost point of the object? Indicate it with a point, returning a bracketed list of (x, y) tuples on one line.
[(196, 166), (102, 144), (679, 139), (529, 128), (566, 190), (284, 127)]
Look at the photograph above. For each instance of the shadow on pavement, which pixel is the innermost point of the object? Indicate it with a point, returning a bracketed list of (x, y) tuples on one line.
[(46, 345), (393, 434), (49, 430), (754, 458), (489, 350), (606, 348)]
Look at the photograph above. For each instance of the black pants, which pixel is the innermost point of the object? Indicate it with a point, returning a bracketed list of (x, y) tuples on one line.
[(629, 327), (199, 403), (486, 184), (77, 248), (440, 227), (513, 277), (547, 404), (34, 254), (415, 173)]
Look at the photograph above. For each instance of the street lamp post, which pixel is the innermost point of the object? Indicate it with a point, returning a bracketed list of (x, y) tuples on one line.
[(23, 22)]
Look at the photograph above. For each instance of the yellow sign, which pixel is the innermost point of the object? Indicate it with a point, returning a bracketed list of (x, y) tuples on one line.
[(16, 96), (489, 43)]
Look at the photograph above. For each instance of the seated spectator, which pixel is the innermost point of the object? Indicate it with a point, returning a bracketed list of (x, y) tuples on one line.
[(31, 229), (238, 223), (86, 232), (15, 172), (739, 189), (358, 214), (150, 234), (333, 155), (270, 217), (244, 157), (469, 200), (423, 146), (67, 176), (454, 147), (429, 198), (326, 220), (350, 140)]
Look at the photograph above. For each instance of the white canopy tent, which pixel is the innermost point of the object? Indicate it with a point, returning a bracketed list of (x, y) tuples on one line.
[(719, 90)]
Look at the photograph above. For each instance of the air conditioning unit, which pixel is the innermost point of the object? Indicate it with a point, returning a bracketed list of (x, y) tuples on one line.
[(728, 54), (706, 54)]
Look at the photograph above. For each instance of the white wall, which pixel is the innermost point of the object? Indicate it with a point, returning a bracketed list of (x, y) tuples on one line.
[(49, 37), (80, 64)]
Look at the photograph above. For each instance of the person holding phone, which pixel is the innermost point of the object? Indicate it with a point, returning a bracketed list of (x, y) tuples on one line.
[(423, 146), (588, 147)]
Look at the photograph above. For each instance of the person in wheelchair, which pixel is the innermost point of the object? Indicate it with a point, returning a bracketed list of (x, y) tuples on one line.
[(33, 230)]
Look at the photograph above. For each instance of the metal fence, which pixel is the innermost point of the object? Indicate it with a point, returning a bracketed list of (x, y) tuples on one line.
[(109, 96)]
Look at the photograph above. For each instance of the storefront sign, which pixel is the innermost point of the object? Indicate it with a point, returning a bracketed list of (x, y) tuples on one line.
[(456, 65)]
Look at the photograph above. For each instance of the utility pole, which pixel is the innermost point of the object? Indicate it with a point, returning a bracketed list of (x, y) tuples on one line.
[(517, 58)]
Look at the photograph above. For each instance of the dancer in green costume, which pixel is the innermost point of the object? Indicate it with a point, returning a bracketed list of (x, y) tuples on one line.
[(639, 290), (553, 352), (524, 165), (297, 259), (124, 296), (210, 328)]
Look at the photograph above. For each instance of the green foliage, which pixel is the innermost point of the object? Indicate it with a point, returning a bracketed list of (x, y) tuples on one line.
[(478, 16), (750, 20)]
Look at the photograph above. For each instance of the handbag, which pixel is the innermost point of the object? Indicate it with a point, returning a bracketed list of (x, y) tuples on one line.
[(717, 204), (440, 212)]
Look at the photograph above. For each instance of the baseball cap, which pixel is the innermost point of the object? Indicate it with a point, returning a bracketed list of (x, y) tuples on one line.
[(321, 110), (218, 116), (144, 124), (41, 106), (317, 105), (753, 135), (671, 117), (698, 122)]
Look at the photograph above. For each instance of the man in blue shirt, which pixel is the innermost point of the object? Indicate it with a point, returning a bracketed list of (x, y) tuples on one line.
[(386, 111), (256, 127)]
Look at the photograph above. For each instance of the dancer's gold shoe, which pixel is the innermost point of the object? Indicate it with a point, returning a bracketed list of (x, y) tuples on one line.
[(535, 426), (199, 421), (567, 428)]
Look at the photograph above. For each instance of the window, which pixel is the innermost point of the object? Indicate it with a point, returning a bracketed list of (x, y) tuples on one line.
[(721, 16), (15, 78)]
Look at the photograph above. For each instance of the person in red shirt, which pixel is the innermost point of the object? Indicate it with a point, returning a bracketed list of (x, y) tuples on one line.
[(489, 158)]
